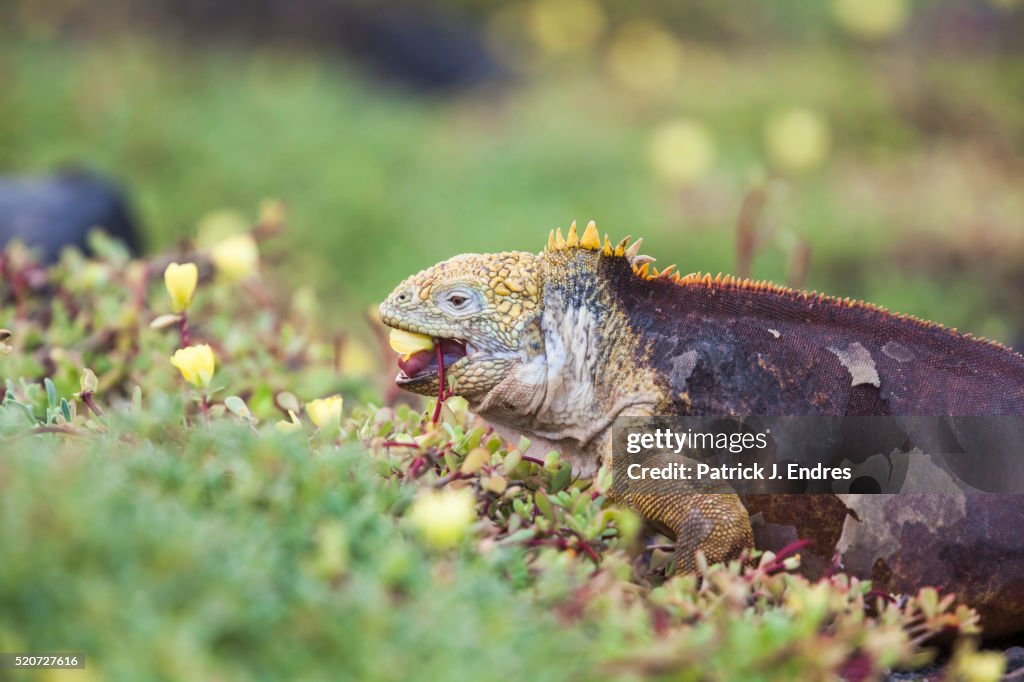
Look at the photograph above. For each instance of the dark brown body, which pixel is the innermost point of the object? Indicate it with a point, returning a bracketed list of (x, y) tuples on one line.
[(732, 349)]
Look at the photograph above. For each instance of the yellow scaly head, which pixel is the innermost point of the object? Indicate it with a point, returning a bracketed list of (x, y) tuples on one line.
[(476, 307), (484, 310)]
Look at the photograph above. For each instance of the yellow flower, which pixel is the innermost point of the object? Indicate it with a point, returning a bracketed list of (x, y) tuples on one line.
[(325, 412), (236, 257), (971, 665), (681, 152), (442, 517), (289, 426), (357, 360), (195, 364), (873, 19), (180, 280), (645, 57), (406, 343), (88, 383), (565, 26), (798, 140), (272, 212)]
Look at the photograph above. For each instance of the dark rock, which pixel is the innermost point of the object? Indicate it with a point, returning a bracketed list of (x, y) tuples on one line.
[(1014, 659), (424, 47), (49, 213)]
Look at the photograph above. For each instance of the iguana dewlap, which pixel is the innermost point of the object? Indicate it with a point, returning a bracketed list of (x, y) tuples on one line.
[(556, 345)]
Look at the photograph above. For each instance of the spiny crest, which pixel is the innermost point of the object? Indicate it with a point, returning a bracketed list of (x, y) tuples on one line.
[(723, 281), (642, 266), (591, 240), (720, 281)]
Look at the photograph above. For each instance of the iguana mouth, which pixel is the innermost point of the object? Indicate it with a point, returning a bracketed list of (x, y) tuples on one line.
[(424, 364)]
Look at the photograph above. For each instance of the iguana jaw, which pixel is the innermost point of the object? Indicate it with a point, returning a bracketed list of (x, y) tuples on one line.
[(421, 368), (477, 309), (470, 369)]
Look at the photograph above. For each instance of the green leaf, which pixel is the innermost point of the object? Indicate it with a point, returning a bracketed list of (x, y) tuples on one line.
[(237, 406), (520, 535), (476, 458), (493, 444), (51, 391), (8, 391), (512, 460), (472, 439), (287, 401), (552, 459), (65, 409), (579, 504), (23, 408), (106, 247), (544, 505), (451, 460), (560, 479), (88, 383)]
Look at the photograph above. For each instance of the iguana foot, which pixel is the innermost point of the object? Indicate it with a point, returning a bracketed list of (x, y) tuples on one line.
[(717, 524)]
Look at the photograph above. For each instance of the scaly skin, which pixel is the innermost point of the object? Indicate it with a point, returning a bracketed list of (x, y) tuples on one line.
[(561, 343), (551, 357)]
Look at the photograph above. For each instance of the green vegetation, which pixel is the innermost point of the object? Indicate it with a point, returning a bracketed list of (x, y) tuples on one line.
[(231, 530), (382, 183), (176, 530)]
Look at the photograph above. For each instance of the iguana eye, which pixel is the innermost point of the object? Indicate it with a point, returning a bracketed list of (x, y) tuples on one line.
[(459, 302)]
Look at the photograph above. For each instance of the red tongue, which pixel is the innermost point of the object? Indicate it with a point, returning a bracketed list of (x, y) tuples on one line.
[(451, 349), (417, 362)]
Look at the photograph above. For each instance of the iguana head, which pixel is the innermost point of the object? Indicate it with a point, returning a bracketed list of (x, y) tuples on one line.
[(481, 310), (520, 333)]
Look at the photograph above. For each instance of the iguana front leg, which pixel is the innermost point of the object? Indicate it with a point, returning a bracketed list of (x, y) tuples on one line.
[(715, 523), (712, 520)]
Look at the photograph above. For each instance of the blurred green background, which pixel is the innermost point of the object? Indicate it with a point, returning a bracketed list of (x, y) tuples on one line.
[(877, 143), (867, 148)]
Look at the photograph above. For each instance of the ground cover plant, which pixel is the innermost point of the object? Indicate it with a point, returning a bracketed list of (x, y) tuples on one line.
[(198, 482)]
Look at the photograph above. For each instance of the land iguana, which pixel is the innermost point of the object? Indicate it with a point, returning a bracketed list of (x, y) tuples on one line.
[(557, 345)]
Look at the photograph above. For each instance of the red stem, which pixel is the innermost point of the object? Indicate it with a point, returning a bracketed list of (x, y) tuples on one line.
[(448, 478), (884, 595), (588, 550), (91, 404), (778, 563), (183, 327), (440, 383)]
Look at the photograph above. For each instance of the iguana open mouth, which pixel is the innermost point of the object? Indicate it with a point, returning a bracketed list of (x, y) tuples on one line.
[(422, 357), (424, 364)]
